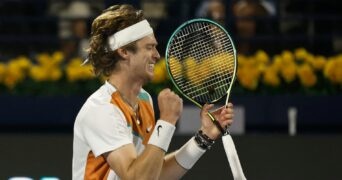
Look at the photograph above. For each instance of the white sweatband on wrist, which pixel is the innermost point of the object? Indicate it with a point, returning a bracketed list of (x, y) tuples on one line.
[(189, 154), (162, 134), (129, 34)]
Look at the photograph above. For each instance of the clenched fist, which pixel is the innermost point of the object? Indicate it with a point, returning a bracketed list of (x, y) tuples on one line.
[(170, 106)]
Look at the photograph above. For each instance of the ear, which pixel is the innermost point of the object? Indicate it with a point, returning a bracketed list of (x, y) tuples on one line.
[(123, 53)]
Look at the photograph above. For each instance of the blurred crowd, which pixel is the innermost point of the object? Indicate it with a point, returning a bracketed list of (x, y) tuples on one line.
[(50, 25)]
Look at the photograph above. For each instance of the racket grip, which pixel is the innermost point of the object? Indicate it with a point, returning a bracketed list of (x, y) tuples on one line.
[(218, 125), (233, 158)]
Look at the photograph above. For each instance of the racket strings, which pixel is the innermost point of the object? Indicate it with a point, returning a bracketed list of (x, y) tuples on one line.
[(200, 41), (210, 51), (203, 61)]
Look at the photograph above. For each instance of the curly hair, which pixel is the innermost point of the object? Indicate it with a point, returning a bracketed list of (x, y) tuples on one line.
[(112, 20)]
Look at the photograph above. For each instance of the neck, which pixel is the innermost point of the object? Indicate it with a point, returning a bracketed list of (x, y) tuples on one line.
[(128, 90)]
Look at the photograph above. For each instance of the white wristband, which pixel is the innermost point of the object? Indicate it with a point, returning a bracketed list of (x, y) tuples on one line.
[(189, 154), (162, 134)]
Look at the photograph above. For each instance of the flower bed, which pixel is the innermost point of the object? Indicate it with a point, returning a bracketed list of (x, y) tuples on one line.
[(297, 71)]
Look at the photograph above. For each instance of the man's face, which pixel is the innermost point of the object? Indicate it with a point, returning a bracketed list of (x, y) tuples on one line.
[(143, 60)]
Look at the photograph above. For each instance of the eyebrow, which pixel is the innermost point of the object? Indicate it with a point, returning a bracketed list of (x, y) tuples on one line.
[(152, 44)]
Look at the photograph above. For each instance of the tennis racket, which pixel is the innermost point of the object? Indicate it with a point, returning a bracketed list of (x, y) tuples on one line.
[(201, 61)]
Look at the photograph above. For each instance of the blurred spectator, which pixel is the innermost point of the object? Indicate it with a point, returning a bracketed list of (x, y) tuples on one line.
[(73, 24), (245, 20), (250, 22), (213, 9), (318, 23)]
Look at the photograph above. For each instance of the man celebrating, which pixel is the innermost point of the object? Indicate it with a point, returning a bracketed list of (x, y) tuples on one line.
[(116, 135)]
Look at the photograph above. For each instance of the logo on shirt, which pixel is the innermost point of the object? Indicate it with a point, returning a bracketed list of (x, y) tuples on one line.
[(159, 127)]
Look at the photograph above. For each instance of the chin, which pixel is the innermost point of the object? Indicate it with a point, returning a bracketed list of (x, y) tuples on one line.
[(148, 78)]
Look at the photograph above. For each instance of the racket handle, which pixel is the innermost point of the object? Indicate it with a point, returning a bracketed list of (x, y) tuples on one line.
[(218, 125), (233, 157)]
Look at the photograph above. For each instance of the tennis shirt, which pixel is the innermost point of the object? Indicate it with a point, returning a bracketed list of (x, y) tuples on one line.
[(105, 123)]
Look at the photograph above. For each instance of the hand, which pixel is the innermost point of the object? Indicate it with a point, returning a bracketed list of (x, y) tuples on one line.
[(223, 115), (170, 106)]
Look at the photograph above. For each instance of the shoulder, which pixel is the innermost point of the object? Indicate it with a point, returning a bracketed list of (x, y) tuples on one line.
[(99, 105)]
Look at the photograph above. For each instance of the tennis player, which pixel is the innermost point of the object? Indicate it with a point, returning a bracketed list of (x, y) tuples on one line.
[(116, 135)]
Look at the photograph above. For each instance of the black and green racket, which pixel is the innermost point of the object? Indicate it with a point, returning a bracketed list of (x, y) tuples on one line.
[(201, 61)]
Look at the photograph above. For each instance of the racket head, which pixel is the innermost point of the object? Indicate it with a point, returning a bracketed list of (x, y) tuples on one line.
[(201, 61)]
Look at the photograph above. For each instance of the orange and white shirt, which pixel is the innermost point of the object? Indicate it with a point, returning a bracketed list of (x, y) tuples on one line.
[(105, 123)]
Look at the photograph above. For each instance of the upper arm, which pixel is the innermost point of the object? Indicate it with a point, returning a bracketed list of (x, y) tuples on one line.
[(105, 129)]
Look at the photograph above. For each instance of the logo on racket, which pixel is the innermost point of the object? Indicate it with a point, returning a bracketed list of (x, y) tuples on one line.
[(160, 126)]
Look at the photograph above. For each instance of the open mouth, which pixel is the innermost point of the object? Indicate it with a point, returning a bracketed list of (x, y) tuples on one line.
[(151, 67)]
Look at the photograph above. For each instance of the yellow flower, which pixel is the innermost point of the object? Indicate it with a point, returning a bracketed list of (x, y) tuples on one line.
[(306, 75), (44, 59), (10, 81), (309, 59), (287, 57), (277, 62), (288, 72), (87, 72), (270, 77), (23, 62), (38, 73), (248, 77), (241, 60), (339, 71), (2, 71), (262, 57), (74, 71), (300, 53), (191, 69), (58, 57), (329, 70), (159, 72), (222, 63), (55, 74), (319, 62), (333, 70), (14, 74), (175, 67)]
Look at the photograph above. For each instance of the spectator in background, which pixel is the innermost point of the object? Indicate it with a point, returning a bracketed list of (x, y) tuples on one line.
[(246, 22), (249, 22), (213, 9), (73, 25)]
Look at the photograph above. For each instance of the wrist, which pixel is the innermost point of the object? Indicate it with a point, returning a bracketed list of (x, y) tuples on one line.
[(203, 141), (189, 154), (162, 134), (169, 119), (212, 133)]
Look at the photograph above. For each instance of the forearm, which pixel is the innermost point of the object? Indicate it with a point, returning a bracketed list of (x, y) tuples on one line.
[(171, 169), (148, 165), (127, 164), (178, 163)]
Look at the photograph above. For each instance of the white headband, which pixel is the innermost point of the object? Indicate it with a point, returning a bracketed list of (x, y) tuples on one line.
[(129, 34)]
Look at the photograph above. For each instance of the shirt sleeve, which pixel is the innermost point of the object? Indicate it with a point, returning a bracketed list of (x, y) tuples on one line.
[(105, 129)]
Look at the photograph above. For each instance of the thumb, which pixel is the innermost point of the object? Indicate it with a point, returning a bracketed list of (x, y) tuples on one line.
[(206, 108)]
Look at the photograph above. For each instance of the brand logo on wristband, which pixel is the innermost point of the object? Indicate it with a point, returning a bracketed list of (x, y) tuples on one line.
[(160, 126)]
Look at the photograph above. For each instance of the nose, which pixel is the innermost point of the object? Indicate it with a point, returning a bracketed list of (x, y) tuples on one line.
[(156, 54)]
